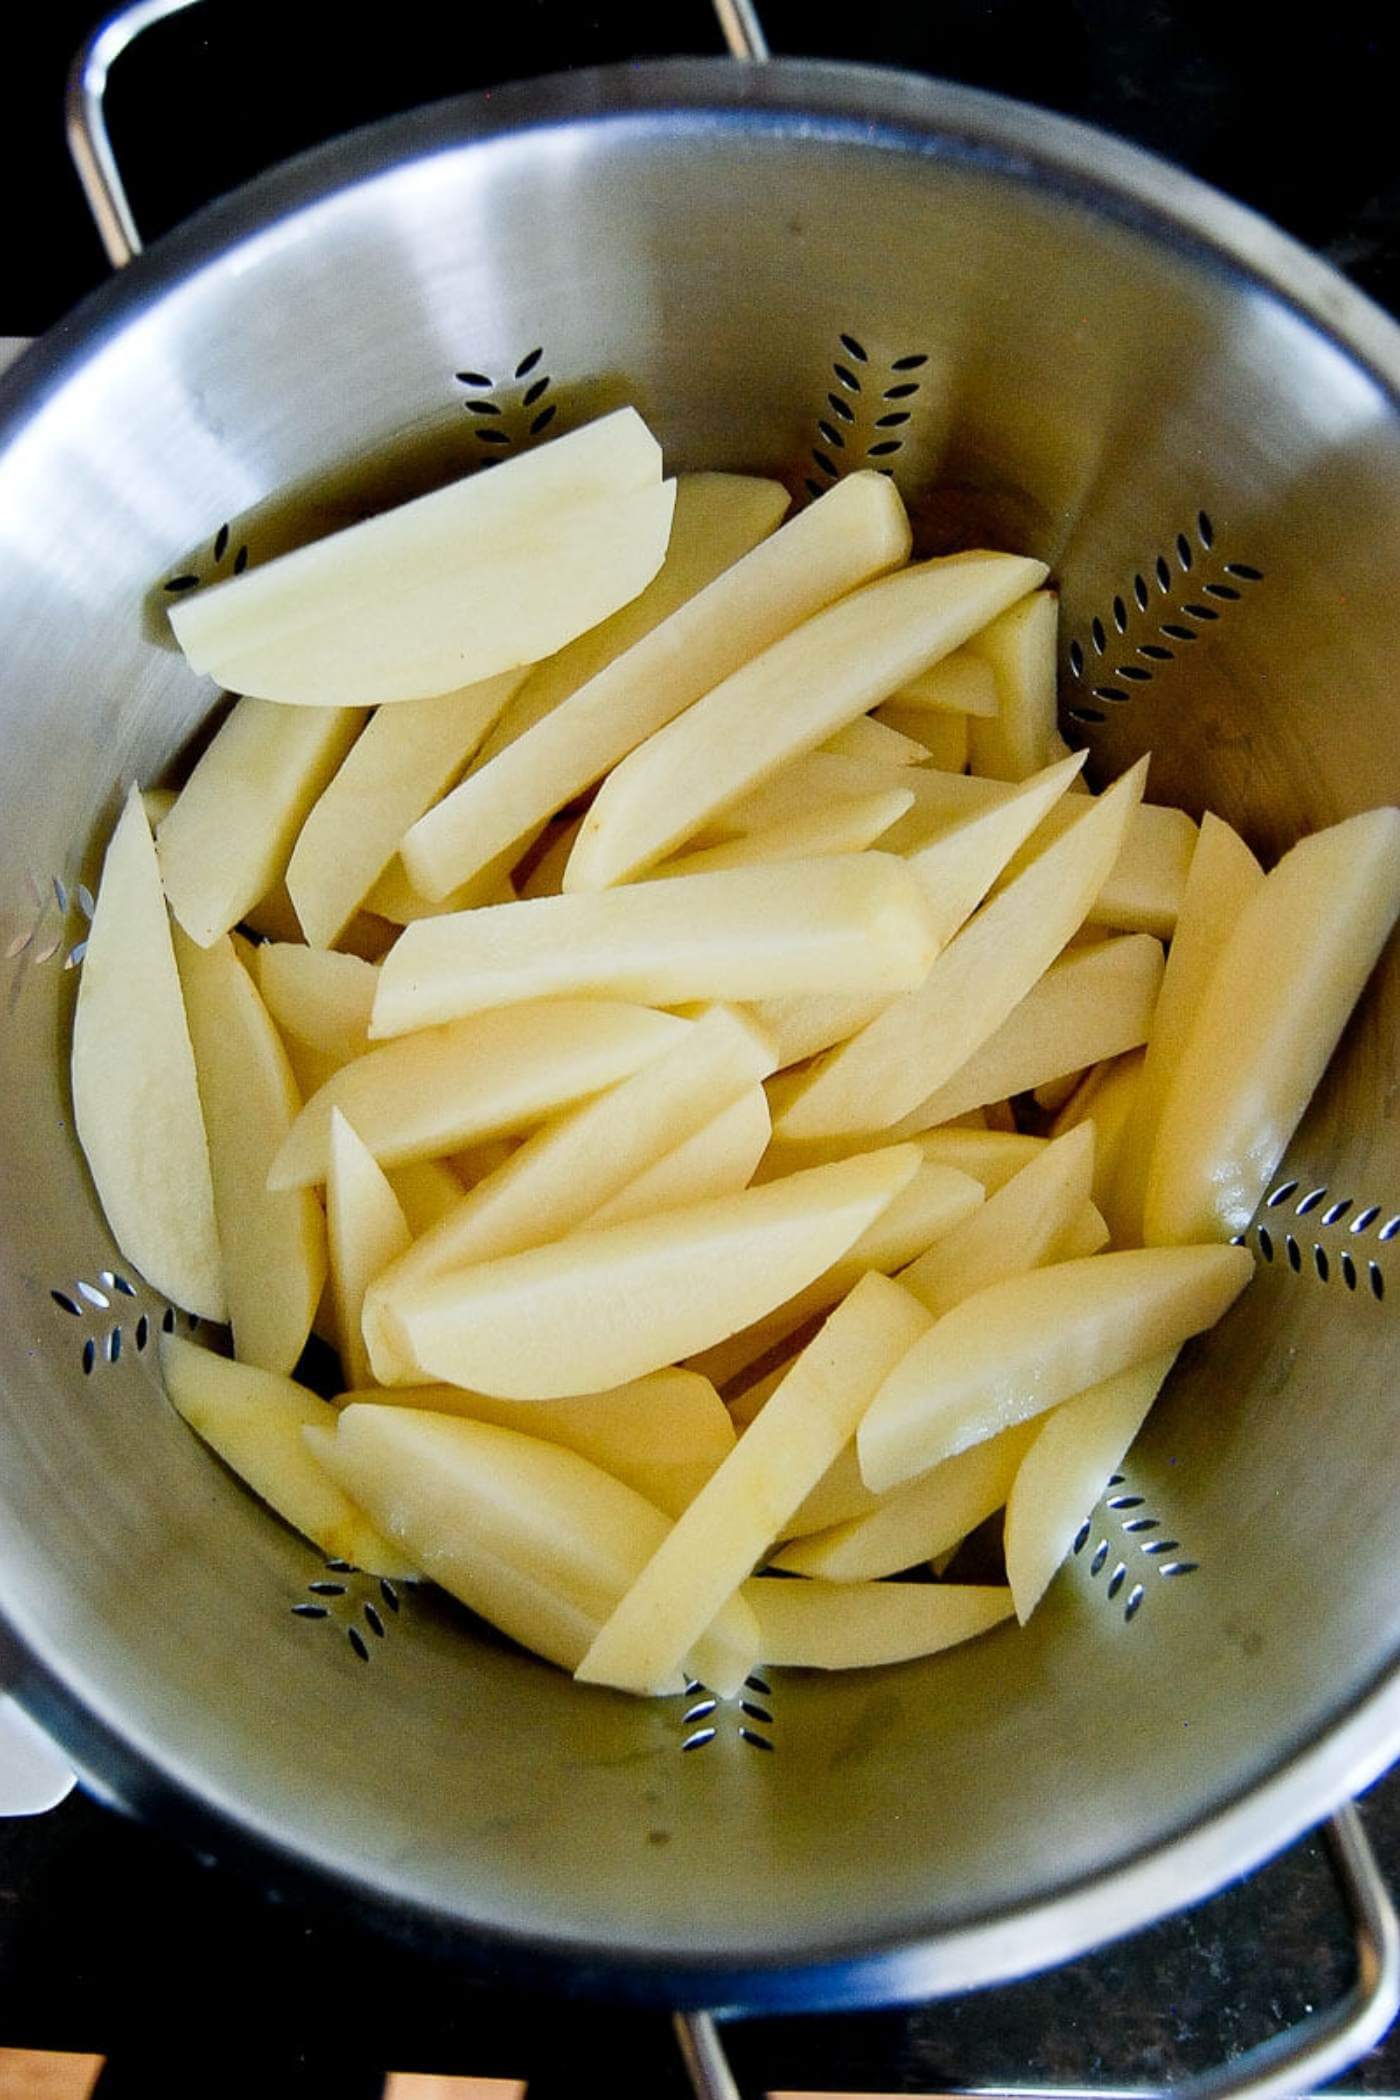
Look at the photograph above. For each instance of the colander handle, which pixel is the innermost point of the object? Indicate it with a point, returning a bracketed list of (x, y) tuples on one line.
[(90, 144), (1290, 2064)]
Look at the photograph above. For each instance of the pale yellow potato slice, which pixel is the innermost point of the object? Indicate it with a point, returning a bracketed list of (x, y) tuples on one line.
[(944, 737), (847, 825), (1106, 1099), (533, 1537), (745, 1405), (1018, 1228), (865, 738), (254, 1420), (227, 840), (849, 922), (1224, 875), (1072, 1455), (719, 1159), (1143, 889), (859, 529), (961, 684), (838, 1496), (1278, 999), (818, 1626), (395, 898), (936, 1201), (989, 1156), (1086, 1234), (718, 1540), (322, 998), (310, 1068), (407, 757), (1095, 1002), (718, 519), (367, 1231), (272, 1244), (1020, 651), (1021, 1346), (425, 1191), (783, 703), (663, 1435), (919, 1041), (546, 877), (135, 1096), (601, 1307), (918, 1521), (801, 1024), (818, 777), (494, 1075)]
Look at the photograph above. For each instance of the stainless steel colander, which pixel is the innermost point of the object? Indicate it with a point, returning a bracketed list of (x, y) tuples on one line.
[(1057, 344)]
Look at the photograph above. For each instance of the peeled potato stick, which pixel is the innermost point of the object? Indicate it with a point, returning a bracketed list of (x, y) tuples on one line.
[(944, 737), (735, 1517), (818, 1626), (1021, 1346), (838, 1496), (395, 898), (1106, 1100), (322, 998), (1143, 889), (719, 1159), (961, 684), (845, 826), (1020, 651), (817, 778), (865, 738), (367, 1230), (783, 703), (425, 1190), (989, 1156), (1016, 1229)]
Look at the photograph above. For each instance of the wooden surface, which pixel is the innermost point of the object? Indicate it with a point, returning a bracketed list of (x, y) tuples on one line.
[(40, 2074)]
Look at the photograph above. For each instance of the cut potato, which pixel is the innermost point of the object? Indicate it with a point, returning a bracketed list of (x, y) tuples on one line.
[(803, 1023), (918, 1521), (745, 1405), (321, 998), (859, 529), (865, 738), (838, 1496), (989, 1156), (1143, 889), (1023, 1345), (405, 760), (847, 826), (1277, 1001), (852, 922), (1086, 1234), (719, 1539), (817, 778), (719, 1159), (961, 684), (546, 877), (1019, 649), (920, 1040), (228, 838), (718, 519), (1018, 1228), (310, 1068), (367, 1231), (1094, 1003), (255, 1420), (1071, 1457), (663, 1435), (1106, 1099), (944, 737), (135, 1096), (494, 1075), (395, 898), (784, 703), (1223, 877), (535, 1538), (602, 1307), (272, 1244), (273, 918), (425, 1191), (817, 1626)]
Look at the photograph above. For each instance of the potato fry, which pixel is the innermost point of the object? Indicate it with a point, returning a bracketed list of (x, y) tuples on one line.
[(321, 998), (961, 684), (1018, 1228), (865, 738), (818, 1626), (1143, 889), (395, 898), (989, 1156), (1106, 1100), (1019, 648), (818, 778), (944, 737), (838, 1496), (425, 1190), (367, 1230), (847, 826), (719, 1159)]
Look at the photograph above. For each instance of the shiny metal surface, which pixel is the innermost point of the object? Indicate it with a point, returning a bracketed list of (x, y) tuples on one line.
[(1108, 350)]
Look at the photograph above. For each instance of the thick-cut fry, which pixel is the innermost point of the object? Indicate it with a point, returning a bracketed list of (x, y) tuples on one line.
[(425, 1190), (1106, 1100), (719, 1159), (865, 738), (838, 1496), (989, 1156), (321, 998), (783, 703), (1143, 889), (272, 1245), (735, 1517), (846, 826), (853, 922), (1018, 1228), (228, 838), (255, 1420), (1021, 1346), (961, 684), (817, 778), (367, 1230), (395, 898), (919, 1041), (494, 1075), (1072, 1455), (1277, 1001), (135, 1096), (859, 529), (601, 1307), (1019, 649), (820, 1626), (944, 737)]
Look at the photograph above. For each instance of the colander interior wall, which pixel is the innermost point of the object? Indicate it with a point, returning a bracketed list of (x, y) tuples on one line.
[(1095, 379)]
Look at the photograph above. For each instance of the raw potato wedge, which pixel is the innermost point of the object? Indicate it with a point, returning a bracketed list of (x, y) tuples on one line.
[(533, 1537), (272, 1245), (321, 998), (817, 778), (817, 1626), (1094, 1003), (1021, 1346), (961, 684), (919, 1041), (719, 518), (838, 1496), (1018, 1228), (858, 529), (254, 1420), (367, 1230), (1020, 651), (718, 1160), (663, 1435), (1143, 889), (135, 1097), (719, 1539), (865, 738), (227, 840), (494, 1075), (847, 826), (1106, 1100), (1071, 1457), (989, 1156), (1278, 999), (1223, 877), (425, 1191), (407, 758), (395, 898), (852, 922), (944, 737), (602, 1307), (783, 703)]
